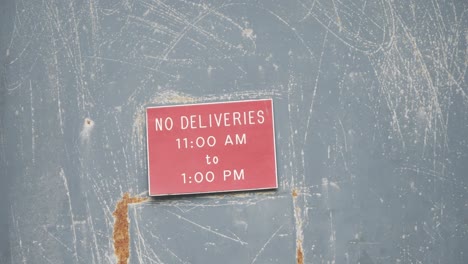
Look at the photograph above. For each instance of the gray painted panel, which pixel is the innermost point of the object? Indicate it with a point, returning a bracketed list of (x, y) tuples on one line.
[(371, 116)]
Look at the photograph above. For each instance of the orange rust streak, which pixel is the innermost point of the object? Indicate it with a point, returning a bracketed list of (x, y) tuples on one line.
[(294, 193), (299, 256), (121, 232)]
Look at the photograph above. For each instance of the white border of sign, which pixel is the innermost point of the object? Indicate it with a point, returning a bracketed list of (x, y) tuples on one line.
[(209, 103)]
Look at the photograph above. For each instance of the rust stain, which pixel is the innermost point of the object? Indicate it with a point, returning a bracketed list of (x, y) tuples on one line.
[(121, 232), (299, 235), (294, 193), (299, 254)]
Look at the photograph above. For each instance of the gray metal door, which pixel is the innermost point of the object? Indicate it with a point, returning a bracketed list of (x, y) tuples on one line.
[(371, 120)]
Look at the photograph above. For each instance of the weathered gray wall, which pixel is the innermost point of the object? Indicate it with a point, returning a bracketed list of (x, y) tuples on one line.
[(371, 121)]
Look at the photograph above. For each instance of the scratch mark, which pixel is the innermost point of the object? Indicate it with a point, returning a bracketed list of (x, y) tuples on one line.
[(91, 222), (56, 239), (209, 229), (344, 135), (17, 230), (338, 19), (72, 216), (166, 248), (248, 33), (121, 233), (309, 11), (314, 93), (131, 64), (33, 134), (266, 244)]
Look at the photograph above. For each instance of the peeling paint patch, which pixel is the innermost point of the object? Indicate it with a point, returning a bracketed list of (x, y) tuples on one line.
[(85, 133), (121, 231), (248, 33)]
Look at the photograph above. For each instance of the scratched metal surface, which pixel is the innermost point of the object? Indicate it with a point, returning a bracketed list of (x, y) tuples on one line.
[(371, 119)]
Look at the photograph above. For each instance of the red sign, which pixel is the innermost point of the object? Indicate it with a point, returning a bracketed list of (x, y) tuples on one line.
[(212, 147)]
